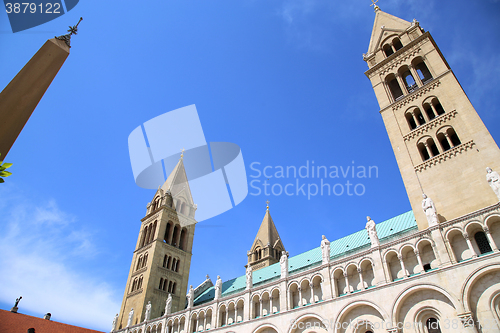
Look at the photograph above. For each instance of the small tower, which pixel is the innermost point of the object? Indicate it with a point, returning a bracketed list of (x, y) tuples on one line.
[(267, 246), (162, 257), (441, 144)]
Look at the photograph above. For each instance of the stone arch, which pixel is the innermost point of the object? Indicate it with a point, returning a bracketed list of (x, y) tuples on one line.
[(306, 294), (426, 251), (360, 261), (458, 244), (492, 223), (265, 302), (353, 277), (429, 295), (410, 260), (267, 328), (304, 323), (366, 265), (339, 285), (471, 281), (375, 313), (391, 259), (240, 309)]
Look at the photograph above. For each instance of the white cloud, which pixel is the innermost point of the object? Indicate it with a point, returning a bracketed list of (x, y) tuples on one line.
[(40, 249)]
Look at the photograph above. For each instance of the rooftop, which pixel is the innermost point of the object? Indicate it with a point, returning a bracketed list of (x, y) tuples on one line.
[(386, 230)]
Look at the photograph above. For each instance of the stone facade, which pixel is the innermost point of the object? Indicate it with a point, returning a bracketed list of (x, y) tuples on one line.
[(443, 277)]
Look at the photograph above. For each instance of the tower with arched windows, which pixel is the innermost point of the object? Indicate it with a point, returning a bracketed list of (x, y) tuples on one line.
[(441, 145), (267, 246), (162, 256)]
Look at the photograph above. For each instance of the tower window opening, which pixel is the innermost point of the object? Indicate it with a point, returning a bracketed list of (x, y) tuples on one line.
[(394, 87), (423, 151), (182, 243), (438, 107), (173, 288), (161, 284), (453, 137), (443, 141), (423, 72), (165, 261), (482, 242), (167, 233), (434, 149), (432, 325), (420, 117), (388, 50), (410, 83), (396, 42), (411, 121), (169, 261), (145, 260), (429, 112)]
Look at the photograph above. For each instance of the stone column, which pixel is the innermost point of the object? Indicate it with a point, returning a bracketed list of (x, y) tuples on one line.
[(197, 324), (300, 296), (328, 284), (312, 293), (270, 304), (467, 321), (347, 283), (448, 139), (290, 300), (227, 315), (402, 263), (469, 244), (415, 76), (205, 323), (490, 239), (261, 309), (360, 272), (417, 254), (439, 248), (402, 84)]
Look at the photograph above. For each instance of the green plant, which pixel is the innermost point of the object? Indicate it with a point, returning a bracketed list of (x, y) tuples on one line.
[(4, 173)]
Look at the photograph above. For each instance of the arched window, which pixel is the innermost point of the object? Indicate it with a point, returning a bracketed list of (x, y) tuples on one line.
[(427, 148), (139, 284), (421, 68), (182, 242), (408, 79), (165, 261), (177, 265), (143, 237), (139, 263), (394, 87), (429, 111), (388, 50), (169, 262), (161, 284), (443, 140), (411, 121), (397, 44), (153, 231), (438, 106), (453, 137), (419, 116), (145, 261), (170, 287), (167, 233), (164, 287), (175, 236), (173, 288), (432, 325), (482, 242)]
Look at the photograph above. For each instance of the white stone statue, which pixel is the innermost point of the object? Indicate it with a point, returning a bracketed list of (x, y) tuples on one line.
[(168, 305), (147, 315), (218, 288), (190, 296), (113, 325), (429, 210), (372, 231), (249, 277), (325, 250), (494, 181), (284, 264), (130, 317)]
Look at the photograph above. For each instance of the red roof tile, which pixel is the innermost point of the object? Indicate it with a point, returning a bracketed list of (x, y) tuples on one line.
[(19, 323)]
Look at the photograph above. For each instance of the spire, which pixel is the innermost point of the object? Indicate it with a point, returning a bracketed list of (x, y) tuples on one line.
[(177, 182), (383, 26), (267, 246)]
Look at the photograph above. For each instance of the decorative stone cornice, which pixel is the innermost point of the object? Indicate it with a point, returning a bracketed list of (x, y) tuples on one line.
[(135, 292), (416, 94), (417, 132), (144, 248), (139, 271), (444, 156)]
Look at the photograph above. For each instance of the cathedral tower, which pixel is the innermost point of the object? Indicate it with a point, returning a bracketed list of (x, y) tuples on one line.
[(162, 256), (441, 145), (267, 246)]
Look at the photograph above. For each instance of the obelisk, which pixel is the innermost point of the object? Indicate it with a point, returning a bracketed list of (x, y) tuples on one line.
[(19, 99)]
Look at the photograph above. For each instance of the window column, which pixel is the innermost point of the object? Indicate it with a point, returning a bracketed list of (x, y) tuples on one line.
[(469, 244), (312, 293), (360, 272), (300, 295), (347, 283), (261, 301), (205, 323), (270, 304), (403, 268), (417, 254), (415, 75), (402, 84)]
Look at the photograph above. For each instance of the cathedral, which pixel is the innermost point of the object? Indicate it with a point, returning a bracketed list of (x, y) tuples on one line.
[(433, 269)]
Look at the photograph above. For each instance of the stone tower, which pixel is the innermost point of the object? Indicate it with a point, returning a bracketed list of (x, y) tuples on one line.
[(162, 256), (441, 145), (267, 246)]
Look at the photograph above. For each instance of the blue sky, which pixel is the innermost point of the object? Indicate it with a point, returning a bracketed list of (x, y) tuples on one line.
[(283, 79)]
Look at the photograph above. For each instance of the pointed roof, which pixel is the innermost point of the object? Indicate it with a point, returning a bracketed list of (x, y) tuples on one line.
[(177, 183), (385, 23), (267, 234)]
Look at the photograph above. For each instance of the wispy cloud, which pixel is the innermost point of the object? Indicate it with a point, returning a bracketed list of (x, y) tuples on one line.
[(40, 248)]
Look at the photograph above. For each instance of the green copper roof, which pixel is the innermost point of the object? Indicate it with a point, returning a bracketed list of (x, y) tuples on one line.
[(344, 246)]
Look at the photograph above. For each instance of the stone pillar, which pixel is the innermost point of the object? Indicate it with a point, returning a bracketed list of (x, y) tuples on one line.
[(300, 295), (283, 297), (415, 76), (205, 323), (312, 293), (379, 270), (490, 239), (347, 283), (327, 287), (448, 139), (227, 315), (467, 321), (417, 254), (247, 307), (402, 263), (469, 244), (402, 84), (271, 304), (261, 308), (360, 272)]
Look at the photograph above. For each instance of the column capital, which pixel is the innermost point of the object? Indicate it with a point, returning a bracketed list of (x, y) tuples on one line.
[(466, 319)]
